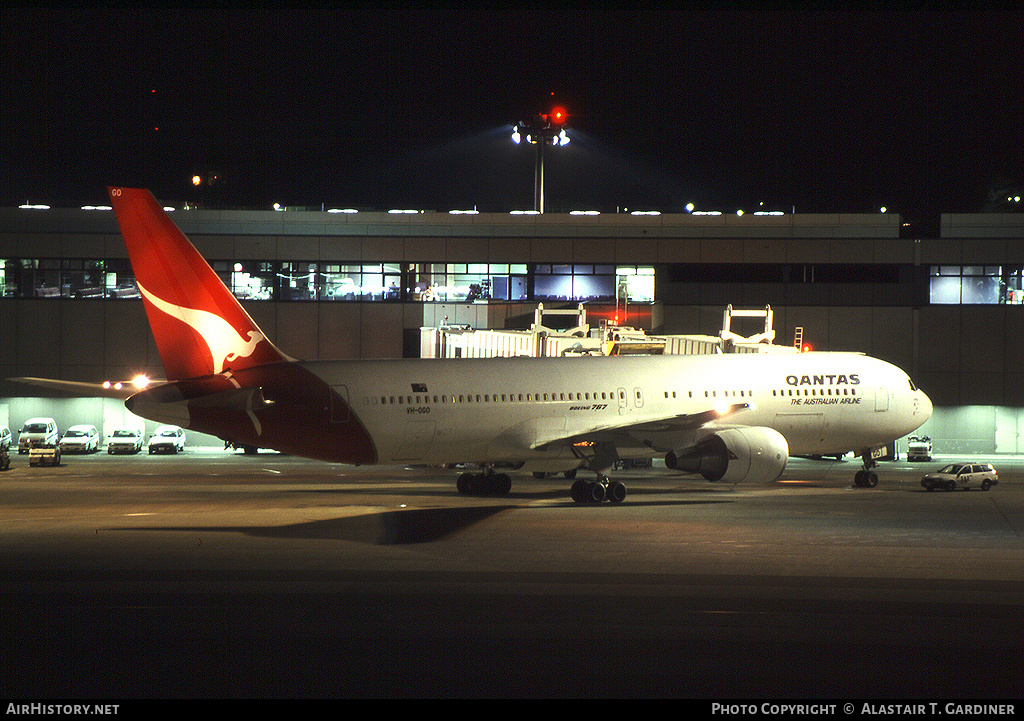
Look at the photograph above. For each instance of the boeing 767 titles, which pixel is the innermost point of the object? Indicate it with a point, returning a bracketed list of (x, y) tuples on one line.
[(732, 417)]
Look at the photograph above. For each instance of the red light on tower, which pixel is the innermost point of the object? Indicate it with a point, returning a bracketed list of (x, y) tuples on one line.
[(558, 115)]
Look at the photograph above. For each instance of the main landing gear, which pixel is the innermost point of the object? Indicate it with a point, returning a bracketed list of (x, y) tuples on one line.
[(866, 478), (487, 483), (602, 489), (597, 457)]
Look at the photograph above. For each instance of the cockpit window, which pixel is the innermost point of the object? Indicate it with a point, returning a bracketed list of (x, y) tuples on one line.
[(912, 386)]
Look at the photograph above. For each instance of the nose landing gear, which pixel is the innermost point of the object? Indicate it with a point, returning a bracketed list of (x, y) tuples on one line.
[(866, 478)]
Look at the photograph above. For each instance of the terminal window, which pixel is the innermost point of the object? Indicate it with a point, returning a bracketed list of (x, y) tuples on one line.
[(467, 281), (583, 282), (975, 285)]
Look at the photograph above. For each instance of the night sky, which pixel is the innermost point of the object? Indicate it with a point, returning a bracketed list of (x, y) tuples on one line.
[(411, 106)]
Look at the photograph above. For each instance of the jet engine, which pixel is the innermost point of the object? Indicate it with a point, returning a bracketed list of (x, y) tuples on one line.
[(758, 455)]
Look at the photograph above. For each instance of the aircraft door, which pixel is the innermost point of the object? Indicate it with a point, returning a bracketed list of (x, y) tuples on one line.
[(339, 404), (881, 399)]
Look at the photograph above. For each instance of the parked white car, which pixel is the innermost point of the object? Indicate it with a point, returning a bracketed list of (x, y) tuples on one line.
[(167, 439), (80, 439), (5, 437), (125, 439), (962, 475)]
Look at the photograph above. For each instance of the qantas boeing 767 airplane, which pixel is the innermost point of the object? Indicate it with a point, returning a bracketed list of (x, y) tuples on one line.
[(733, 417)]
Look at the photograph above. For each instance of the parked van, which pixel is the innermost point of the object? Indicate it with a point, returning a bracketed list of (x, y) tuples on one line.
[(42, 431)]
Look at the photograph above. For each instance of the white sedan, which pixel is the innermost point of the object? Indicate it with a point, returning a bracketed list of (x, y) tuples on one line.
[(125, 440), (80, 439), (962, 475), (167, 439)]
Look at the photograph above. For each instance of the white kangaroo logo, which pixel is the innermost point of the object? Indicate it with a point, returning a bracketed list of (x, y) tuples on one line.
[(224, 342)]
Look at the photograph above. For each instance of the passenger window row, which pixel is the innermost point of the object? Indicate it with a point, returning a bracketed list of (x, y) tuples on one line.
[(715, 394), (792, 392), (505, 398)]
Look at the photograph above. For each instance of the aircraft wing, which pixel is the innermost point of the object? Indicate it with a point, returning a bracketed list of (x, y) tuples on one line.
[(629, 432), (122, 391)]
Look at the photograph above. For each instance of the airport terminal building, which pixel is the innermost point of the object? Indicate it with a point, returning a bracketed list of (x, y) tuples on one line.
[(323, 285)]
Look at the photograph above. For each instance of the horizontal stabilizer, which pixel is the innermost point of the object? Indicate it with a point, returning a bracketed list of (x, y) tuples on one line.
[(77, 388)]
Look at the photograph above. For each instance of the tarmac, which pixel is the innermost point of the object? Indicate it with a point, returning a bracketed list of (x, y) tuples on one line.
[(213, 574)]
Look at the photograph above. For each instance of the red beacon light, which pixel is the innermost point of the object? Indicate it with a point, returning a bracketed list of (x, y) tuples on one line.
[(558, 115)]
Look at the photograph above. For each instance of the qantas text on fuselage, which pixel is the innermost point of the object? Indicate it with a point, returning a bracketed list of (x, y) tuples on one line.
[(822, 380)]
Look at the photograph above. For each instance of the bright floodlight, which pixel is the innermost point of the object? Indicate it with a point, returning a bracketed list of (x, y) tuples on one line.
[(540, 131)]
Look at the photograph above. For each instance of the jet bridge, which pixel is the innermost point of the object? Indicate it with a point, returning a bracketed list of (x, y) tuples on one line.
[(580, 339)]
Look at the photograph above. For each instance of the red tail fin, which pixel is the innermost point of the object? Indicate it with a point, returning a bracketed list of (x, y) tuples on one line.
[(199, 326)]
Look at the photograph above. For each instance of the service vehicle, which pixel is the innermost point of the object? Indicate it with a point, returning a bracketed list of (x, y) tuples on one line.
[(167, 439), (125, 440), (37, 430), (919, 448), (43, 454), (80, 439), (962, 475), (5, 437)]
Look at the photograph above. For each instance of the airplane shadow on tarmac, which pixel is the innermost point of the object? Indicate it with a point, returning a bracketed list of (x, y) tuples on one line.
[(408, 526), (388, 528)]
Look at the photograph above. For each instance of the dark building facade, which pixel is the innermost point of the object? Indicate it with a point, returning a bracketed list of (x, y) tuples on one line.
[(326, 285)]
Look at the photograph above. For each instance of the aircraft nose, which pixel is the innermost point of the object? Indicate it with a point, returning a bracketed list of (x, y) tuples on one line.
[(924, 406)]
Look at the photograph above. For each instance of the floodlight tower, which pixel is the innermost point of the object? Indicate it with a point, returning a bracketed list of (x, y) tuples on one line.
[(542, 130)]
